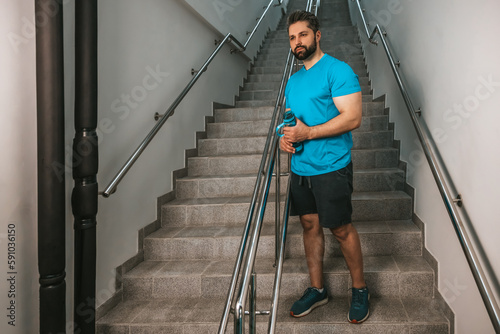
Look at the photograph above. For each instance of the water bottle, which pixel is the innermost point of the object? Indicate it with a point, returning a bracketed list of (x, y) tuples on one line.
[(289, 120)]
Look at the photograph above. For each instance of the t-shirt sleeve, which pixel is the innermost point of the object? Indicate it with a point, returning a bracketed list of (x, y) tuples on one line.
[(343, 80)]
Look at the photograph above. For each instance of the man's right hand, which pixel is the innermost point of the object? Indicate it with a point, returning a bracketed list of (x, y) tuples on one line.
[(286, 146)]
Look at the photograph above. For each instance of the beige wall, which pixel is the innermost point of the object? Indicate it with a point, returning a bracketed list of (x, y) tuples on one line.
[(18, 167), (449, 60)]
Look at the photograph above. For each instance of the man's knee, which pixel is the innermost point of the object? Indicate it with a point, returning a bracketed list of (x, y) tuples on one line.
[(341, 233), (309, 222)]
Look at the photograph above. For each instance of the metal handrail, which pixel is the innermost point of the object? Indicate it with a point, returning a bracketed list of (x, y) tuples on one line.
[(229, 38), (446, 187), (249, 246)]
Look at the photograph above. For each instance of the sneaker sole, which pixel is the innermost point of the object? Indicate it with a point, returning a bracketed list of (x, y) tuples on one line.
[(358, 321), (362, 320), (306, 312)]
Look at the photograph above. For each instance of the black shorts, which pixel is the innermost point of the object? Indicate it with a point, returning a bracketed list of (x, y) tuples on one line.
[(328, 195)]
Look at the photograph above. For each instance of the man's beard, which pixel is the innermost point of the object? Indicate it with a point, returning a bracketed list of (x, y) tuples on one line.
[(308, 51)]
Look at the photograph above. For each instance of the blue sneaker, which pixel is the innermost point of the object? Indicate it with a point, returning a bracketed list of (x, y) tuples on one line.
[(359, 311), (311, 299)]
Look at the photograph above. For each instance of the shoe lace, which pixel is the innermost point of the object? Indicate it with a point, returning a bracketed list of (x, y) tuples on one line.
[(357, 298), (308, 294)]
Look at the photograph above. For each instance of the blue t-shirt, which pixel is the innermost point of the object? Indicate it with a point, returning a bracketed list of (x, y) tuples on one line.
[(309, 94)]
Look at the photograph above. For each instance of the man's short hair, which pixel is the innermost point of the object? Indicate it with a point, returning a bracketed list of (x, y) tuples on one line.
[(302, 15)]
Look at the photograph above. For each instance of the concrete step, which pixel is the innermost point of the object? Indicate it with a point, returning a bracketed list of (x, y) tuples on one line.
[(344, 52), (280, 62), (337, 21), (225, 211), (249, 145), (358, 68), (370, 108), (275, 74), (367, 206), (267, 94), (362, 158), (326, 42), (361, 139), (373, 114), (229, 164), (231, 185), (222, 242), (390, 276), (328, 48), (269, 103), (411, 315), (243, 114), (249, 95), (274, 86), (239, 180), (325, 31)]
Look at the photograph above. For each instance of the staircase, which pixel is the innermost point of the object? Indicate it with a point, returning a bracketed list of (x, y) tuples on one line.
[(182, 284)]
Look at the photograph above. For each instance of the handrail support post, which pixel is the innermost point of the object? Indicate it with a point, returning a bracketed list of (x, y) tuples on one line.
[(253, 307), (239, 319)]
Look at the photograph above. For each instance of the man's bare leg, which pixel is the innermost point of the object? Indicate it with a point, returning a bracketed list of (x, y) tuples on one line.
[(314, 245), (348, 237)]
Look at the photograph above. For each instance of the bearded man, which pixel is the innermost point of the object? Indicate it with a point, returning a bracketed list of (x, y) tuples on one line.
[(325, 97)]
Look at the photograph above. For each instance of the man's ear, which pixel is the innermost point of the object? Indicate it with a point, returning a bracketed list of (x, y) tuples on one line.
[(318, 35)]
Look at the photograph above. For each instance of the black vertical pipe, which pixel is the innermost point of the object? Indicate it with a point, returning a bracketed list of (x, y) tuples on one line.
[(50, 166), (85, 165)]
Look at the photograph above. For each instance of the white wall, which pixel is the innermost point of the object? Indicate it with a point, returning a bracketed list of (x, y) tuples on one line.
[(449, 59), (146, 52), (18, 166), (235, 17)]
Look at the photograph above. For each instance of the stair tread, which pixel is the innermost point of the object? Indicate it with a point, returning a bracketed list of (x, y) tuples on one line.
[(260, 90), (386, 148), (253, 175), (268, 118), (212, 152), (264, 266), (270, 103), (226, 176), (253, 91), (351, 63), (257, 108), (387, 227), (379, 195), (179, 313)]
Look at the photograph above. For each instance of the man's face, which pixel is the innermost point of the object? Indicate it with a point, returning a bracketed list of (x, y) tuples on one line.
[(302, 40)]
